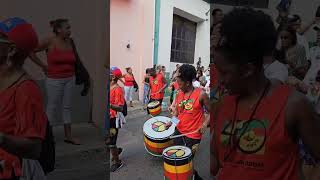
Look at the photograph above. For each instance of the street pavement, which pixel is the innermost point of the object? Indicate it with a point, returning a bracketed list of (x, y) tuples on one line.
[(91, 161), (138, 164), (83, 162)]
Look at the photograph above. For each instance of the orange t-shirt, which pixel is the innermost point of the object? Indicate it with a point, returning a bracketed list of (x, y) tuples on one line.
[(22, 115), (257, 149), (155, 85), (191, 114), (117, 99)]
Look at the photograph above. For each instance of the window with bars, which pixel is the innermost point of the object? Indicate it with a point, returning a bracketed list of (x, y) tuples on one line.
[(252, 3), (183, 40)]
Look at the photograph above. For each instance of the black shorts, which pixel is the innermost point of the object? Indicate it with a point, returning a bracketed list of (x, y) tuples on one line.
[(113, 133), (186, 141)]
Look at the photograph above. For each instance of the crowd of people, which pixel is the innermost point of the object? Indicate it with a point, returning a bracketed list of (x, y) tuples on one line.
[(189, 86), (265, 122)]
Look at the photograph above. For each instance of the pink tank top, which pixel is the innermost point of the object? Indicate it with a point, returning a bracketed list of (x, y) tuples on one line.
[(61, 63)]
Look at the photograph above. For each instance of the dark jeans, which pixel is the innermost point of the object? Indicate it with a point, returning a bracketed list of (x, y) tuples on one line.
[(113, 133)]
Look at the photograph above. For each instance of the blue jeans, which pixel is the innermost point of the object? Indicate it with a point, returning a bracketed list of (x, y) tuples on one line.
[(146, 94)]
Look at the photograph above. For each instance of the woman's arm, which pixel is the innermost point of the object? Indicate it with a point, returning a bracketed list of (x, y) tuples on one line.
[(43, 45), (34, 58)]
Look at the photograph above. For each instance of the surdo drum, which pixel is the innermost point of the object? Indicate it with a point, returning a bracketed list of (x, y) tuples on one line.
[(156, 137), (178, 163)]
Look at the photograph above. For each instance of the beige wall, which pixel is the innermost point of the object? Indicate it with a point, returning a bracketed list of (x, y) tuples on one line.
[(89, 27), (132, 21)]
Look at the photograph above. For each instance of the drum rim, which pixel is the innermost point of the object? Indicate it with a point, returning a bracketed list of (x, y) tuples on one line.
[(154, 105), (177, 158), (152, 138)]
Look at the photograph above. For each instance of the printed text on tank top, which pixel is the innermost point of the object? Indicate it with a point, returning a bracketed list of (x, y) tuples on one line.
[(233, 141)]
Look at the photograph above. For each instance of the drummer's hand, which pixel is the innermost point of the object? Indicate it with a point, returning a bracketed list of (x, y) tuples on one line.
[(173, 110)]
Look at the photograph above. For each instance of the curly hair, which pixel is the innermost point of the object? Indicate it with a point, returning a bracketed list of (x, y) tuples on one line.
[(187, 73), (247, 36)]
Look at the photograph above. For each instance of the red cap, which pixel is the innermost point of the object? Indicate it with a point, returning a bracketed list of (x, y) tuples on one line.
[(21, 33)]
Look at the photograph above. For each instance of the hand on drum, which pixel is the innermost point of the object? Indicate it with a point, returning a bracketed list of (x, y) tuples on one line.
[(173, 110)]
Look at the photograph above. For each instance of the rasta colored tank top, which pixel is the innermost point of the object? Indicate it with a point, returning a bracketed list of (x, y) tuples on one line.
[(260, 148), (190, 113)]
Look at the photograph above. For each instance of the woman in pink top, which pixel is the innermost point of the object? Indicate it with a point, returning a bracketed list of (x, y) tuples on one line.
[(129, 85), (60, 72)]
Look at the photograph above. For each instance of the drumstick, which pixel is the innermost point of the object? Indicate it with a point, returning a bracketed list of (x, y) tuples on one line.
[(176, 136)]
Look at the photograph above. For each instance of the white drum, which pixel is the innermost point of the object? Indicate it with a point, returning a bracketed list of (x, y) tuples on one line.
[(156, 136)]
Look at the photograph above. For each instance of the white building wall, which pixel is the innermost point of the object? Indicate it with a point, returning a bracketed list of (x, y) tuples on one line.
[(305, 8), (194, 10)]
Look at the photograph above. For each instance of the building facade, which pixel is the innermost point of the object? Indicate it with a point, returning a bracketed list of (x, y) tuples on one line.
[(184, 33)]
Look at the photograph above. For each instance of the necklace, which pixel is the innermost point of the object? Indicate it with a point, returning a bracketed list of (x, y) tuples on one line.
[(183, 103)]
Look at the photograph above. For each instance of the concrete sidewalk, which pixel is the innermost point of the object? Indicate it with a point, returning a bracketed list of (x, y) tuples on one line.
[(80, 162)]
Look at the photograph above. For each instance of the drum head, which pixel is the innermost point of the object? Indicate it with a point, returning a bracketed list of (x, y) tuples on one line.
[(153, 104), (177, 152), (154, 128)]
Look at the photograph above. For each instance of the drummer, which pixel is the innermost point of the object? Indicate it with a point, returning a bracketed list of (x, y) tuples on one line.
[(158, 83), (190, 107), (116, 105)]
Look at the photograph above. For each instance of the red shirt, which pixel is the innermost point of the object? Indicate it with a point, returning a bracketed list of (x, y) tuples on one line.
[(61, 63), (22, 115), (116, 98), (155, 85), (128, 80), (191, 114), (263, 150), (176, 85)]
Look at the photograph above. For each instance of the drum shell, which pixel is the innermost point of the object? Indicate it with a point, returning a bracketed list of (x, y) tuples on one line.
[(156, 146), (178, 169), (154, 111)]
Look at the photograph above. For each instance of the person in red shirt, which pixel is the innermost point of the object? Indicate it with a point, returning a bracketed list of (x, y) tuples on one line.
[(129, 85), (190, 107), (117, 102), (259, 121), (158, 83), (23, 120)]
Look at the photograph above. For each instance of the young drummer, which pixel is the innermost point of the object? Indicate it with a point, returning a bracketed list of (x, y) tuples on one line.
[(116, 105), (190, 109)]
